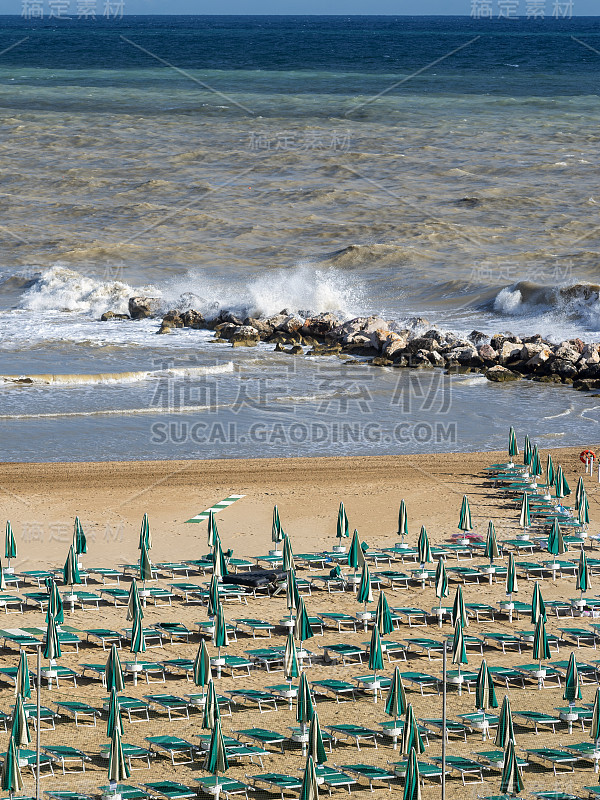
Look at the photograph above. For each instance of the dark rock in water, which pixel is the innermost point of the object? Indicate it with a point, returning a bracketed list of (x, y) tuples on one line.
[(435, 335), (227, 316), (416, 323), (422, 343), (378, 361), (225, 330), (164, 329), (586, 385), (468, 202), (142, 307), (320, 325), (264, 328), (193, 319), (108, 315), (244, 336), (477, 337), (291, 324), (537, 338), (172, 319), (487, 354), (500, 374)]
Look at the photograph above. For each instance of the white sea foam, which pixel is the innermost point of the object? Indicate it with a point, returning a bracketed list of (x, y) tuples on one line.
[(77, 379)]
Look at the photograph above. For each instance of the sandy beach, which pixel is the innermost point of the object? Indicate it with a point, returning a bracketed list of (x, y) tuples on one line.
[(41, 501)]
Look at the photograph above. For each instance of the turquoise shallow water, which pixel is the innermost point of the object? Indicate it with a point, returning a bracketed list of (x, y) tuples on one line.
[(262, 163)]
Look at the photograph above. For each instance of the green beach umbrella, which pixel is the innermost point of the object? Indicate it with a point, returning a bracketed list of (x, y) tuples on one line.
[(145, 539), (583, 573), (138, 641), (556, 544), (550, 473), (538, 607), (220, 637), (216, 758), (375, 651), (11, 779), (402, 521), (302, 627), (277, 533), (71, 570), (145, 566), (114, 671), (459, 650), (464, 523), (291, 668), (583, 514), (118, 769), (79, 540), (22, 680), (412, 781), (579, 492), (459, 612), (383, 615), (134, 604), (541, 648), (114, 714), (52, 649), (365, 593), (441, 580), (491, 545), (19, 729), (55, 603), (527, 451), (304, 703), (292, 595), (395, 704), (595, 727), (2, 578), (316, 748), (202, 672), (212, 712), (513, 447), (218, 560), (572, 686), (212, 534), (423, 548), (525, 517), (342, 531), (565, 488), (505, 732), (213, 596), (353, 552), (485, 694), (310, 788), (411, 738), (288, 554), (511, 782), (535, 468), (512, 586), (10, 545)]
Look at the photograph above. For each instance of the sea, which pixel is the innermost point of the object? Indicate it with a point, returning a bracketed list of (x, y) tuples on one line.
[(441, 167)]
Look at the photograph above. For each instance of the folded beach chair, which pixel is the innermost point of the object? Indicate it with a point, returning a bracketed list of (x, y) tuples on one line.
[(355, 733), (174, 631), (174, 706), (346, 653), (336, 688), (135, 708), (174, 746), (537, 719), (554, 758), (76, 709), (275, 781), (254, 626), (254, 697), (416, 617), (263, 737), (66, 756), (169, 789), (227, 786), (106, 637), (371, 774), (465, 767), (131, 752), (423, 681), (338, 620)]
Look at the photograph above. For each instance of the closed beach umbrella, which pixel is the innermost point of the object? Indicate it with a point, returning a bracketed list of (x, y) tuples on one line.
[(213, 596), (527, 451), (459, 612), (288, 554), (505, 732), (12, 780), (10, 545), (216, 758), (145, 566), (572, 687), (583, 514), (411, 738), (579, 492), (512, 586), (202, 672), (22, 681), (541, 648), (566, 490), (538, 607), (525, 517), (55, 603), (114, 670), (491, 545), (19, 729), (353, 552), (412, 782), (365, 593), (292, 595), (513, 447), (464, 522), (402, 521), (595, 727), (291, 668), (145, 536), (511, 782), (316, 748), (302, 627), (556, 543), (134, 604), (114, 714), (70, 570), (459, 650), (276, 529), (118, 769), (485, 694), (395, 704), (375, 651), (342, 531), (220, 637), (79, 540), (535, 468), (212, 534), (304, 703), (423, 548), (383, 615), (212, 712), (218, 560), (583, 573), (138, 642), (52, 644), (310, 789), (550, 473), (441, 580)]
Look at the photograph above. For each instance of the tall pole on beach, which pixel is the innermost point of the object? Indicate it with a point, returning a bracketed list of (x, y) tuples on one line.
[(38, 721), (444, 732)]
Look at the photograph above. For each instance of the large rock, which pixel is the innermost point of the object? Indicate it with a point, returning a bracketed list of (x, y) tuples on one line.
[(108, 315), (567, 353), (590, 353), (539, 359), (422, 343), (500, 374), (290, 324), (244, 336), (193, 319), (510, 351), (172, 319), (320, 325), (487, 354), (142, 307)]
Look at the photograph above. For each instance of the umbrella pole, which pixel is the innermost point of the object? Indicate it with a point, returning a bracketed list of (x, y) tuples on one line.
[(38, 715), (375, 686), (596, 765), (444, 732)]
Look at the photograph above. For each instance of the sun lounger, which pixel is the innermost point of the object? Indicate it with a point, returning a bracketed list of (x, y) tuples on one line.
[(10, 674), (106, 572), (371, 774), (8, 601), (227, 786), (428, 646), (559, 607), (170, 789), (494, 759), (508, 675), (254, 697), (84, 599), (530, 670), (236, 664), (537, 719), (389, 649), (423, 681), (503, 640), (116, 596), (467, 575), (478, 721), (177, 666), (275, 781), (60, 674), (586, 751), (427, 771), (98, 671), (263, 737), (76, 709), (147, 669), (190, 592), (464, 766), (126, 792), (338, 620), (206, 629), (527, 638), (452, 727), (332, 778), (271, 658), (37, 576), (393, 578), (581, 714), (355, 733), (471, 642), (579, 635), (173, 705), (416, 617), (153, 638), (554, 795), (132, 706), (587, 672), (61, 794), (47, 716), (174, 631), (254, 626), (464, 679), (174, 746), (198, 699), (480, 611), (335, 584), (336, 688), (65, 756), (346, 653), (556, 758), (106, 637), (28, 759), (131, 752)]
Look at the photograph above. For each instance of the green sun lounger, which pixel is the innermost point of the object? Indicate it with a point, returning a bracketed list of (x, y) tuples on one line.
[(269, 657), (371, 774), (174, 631), (494, 759), (174, 706), (275, 781), (106, 572), (538, 718), (503, 640), (227, 786), (423, 681), (579, 635), (466, 767), (588, 673), (254, 626), (132, 706), (169, 789), (427, 771), (480, 611), (236, 664), (28, 759), (586, 751), (263, 737), (341, 621), (354, 733), (65, 755), (329, 687), (61, 794), (346, 653), (174, 746), (177, 666), (332, 778), (435, 725), (131, 752), (77, 709), (254, 697), (394, 578), (106, 637), (422, 644), (47, 716), (556, 758), (126, 792)]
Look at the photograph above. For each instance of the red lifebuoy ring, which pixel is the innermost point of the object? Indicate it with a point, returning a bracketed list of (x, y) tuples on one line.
[(587, 455)]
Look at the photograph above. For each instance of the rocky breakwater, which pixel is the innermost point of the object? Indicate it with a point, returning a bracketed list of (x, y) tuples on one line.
[(413, 343)]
